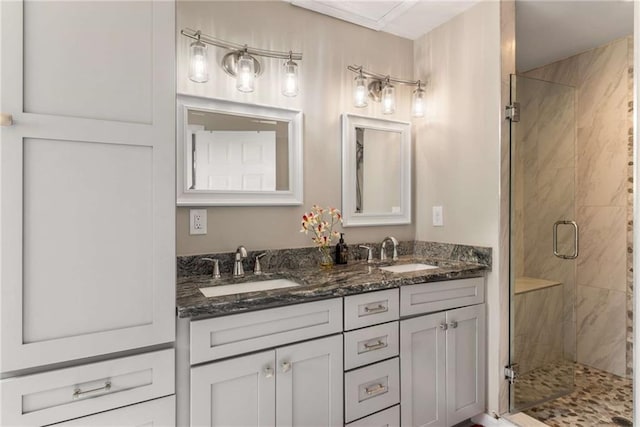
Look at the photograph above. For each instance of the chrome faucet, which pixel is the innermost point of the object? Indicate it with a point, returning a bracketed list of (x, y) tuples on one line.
[(383, 252), (238, 269)]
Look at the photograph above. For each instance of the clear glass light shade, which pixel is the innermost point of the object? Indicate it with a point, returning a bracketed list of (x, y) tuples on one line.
[(198, 63), (290, 79), (418, 105), (388, 99), (360, 92), (245, 73)]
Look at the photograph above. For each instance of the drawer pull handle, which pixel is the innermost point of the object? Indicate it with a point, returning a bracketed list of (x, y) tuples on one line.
[(372, 390), (268, 372), (286, 367), (375, 346), (453, 324), (377, 309), (78, 393)]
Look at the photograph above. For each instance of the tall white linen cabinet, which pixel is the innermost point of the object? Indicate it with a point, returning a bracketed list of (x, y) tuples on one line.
[(87, 213)]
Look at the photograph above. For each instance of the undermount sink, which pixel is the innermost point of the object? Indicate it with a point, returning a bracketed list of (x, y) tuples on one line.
[(241, 288), (408, 268)]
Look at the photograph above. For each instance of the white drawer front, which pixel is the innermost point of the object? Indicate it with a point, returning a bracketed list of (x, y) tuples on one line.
[(369, 345), (371, 389), (387, 418), (63, 394), (370, 309), (157, 413), (226, 336), (438, 296)]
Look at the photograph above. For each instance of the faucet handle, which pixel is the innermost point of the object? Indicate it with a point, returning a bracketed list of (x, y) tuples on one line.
[(369, 253), (216, 266), (257, 269)]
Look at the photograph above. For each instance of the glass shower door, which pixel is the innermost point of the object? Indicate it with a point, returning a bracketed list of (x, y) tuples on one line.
[(544, 242)]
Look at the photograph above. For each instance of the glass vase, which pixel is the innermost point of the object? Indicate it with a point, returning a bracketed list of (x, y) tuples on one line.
[(326, 261)]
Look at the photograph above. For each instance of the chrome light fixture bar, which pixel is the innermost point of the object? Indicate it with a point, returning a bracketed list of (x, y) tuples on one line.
[(381, 89), (240, 63)]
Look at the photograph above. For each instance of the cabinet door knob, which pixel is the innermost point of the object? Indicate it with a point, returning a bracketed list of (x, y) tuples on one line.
[(444, 326), (6, 119), (453, 324), (286, 366), (268, 372)]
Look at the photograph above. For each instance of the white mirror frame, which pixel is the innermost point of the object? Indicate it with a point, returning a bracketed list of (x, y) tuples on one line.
[(186, 197), (349, 216)]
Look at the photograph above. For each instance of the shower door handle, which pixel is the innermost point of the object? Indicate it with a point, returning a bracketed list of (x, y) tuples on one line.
[(573, 224)]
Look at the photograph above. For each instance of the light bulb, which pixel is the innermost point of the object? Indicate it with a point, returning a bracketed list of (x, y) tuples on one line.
[(245, 73), (290, 80), (388, 99), (198, 64), (360, 92), (418, 103)]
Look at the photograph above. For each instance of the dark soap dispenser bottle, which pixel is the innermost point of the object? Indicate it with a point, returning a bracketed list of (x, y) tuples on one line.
[(342, 251)]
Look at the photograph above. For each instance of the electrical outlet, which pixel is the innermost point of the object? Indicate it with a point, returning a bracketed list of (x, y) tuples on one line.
[(438, 216), (198, 221)]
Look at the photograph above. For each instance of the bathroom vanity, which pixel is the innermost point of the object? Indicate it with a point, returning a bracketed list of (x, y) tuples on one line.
[(355, 345)]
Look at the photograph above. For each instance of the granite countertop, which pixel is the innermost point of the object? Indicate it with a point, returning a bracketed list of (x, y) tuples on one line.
[(315, 284)]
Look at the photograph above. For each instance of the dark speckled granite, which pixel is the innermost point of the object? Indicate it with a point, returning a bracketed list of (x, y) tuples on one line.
[(315, 284), (294, 259)]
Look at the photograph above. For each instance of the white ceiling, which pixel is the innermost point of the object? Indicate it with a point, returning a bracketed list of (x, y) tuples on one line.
[(546, 30), (409, 18)]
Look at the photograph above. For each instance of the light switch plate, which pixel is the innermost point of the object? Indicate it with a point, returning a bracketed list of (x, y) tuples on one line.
[(438, 216), (197, 221)]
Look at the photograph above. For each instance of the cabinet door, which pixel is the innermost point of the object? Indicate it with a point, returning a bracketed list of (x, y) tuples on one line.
[(87, 202), (422, 371), (236, 392), (466, 350), (309, 387), (155, 413)]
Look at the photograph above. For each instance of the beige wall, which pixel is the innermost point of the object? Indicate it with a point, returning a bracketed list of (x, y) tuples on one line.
[(328, 45), (457, 149)]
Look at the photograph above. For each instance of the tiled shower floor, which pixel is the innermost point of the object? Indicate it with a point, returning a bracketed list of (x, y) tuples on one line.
[(597, 398)]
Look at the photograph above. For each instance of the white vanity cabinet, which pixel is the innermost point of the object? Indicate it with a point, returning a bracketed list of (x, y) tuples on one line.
[(443, 354), (87, 206), (371, 348), (298, 384), (87, 212)]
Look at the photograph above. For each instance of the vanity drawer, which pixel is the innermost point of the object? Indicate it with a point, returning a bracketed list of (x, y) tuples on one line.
[(372, 388), (387, 418), (438, 296), (370, 309), (156, 413), (63, 394), (226, 336), (369, 345)]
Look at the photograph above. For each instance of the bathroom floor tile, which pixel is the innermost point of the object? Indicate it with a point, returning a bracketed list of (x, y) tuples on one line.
[(597, 398)]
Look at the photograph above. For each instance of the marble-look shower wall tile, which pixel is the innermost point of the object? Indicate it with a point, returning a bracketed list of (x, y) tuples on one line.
[(602, 260), (600, 343), (602, 83), (564, 72), (538, 328), (602, 163)]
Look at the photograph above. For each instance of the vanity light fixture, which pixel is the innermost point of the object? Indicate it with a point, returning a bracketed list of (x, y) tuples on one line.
[(418, 105), (240, 62), (198, 64), (381, 89)]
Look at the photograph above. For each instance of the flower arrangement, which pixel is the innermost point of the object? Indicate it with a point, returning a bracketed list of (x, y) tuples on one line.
[(321, 222)]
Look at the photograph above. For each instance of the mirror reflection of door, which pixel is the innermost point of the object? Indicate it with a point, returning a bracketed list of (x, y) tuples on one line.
[(378, 171), (235, 160)]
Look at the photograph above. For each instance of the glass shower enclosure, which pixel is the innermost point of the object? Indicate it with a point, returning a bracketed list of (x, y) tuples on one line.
[(544, 242)]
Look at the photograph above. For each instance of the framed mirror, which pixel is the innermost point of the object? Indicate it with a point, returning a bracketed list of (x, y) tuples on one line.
[(376, 171), (235, 154)]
